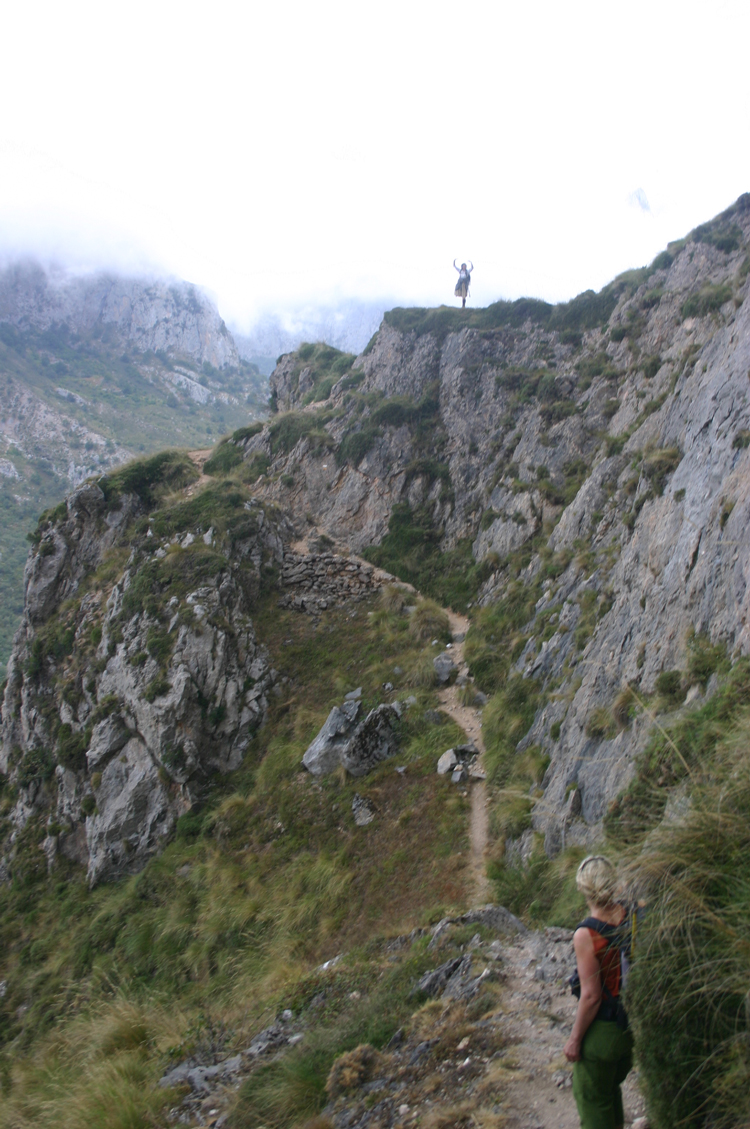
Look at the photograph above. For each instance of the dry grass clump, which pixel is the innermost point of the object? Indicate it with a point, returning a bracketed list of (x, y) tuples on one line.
[(352, 1070), (422, 674), (622, 707), (467, 694), (428, 622), (689, 996), (601, 723), (96, 1073), (393, 599)]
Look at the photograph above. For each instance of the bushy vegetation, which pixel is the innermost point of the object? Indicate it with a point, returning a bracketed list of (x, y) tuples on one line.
[(287, 430), (326, 367), (586, 311), (267, 879), (411, 550), (689, 991), (708, 299), (150, 479)]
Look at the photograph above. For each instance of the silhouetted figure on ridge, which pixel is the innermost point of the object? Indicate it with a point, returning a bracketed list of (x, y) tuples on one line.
[(464, 281)]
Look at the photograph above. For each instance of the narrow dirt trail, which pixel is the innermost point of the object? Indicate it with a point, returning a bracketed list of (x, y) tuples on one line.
[(199, 458), (469, 719)]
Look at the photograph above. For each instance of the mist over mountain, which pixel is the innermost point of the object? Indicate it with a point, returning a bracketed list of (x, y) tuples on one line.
[(347, 326), (94, 369)]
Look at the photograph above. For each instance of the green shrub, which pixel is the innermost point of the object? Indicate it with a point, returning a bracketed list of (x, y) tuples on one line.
[(157, 688), (658, 464), (652, 298), (671, 755), (506, 718), (708, 299), (669, 685), (705, 658), (286, 431), (411, 551), (355, 444), (600, 723), (149, 478), (428, 621), (244, 433), (225, 457), (71, 747), (725, 237), (663, 261), (37, 765), (651, 366), (598, 365)]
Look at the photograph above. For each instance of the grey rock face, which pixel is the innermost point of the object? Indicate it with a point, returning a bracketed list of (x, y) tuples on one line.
[(359, 748), (658, 553), (325, 752), (170, 690), (148, 314)]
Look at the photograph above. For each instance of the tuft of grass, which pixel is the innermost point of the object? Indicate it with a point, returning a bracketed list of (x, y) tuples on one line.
[(688, 996), (671, 756), (150, 479), (428, 621), (601, 723), (708, 300), (393, 599)]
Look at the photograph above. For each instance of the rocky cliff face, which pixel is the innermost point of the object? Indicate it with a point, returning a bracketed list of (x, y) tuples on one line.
[(136, 673), (82, 389), (595, 453), (156, 316)]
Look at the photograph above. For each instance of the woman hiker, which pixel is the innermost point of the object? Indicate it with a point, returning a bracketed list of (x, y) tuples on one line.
[(600, 1045), (464, 281)]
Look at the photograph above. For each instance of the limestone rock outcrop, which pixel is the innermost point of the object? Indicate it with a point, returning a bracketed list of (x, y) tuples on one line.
[(359, 748), (147, 314), (135, 676), (597, 453)]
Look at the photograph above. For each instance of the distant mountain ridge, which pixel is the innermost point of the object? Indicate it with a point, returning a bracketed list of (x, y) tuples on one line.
[(149, 315), (93, 370)]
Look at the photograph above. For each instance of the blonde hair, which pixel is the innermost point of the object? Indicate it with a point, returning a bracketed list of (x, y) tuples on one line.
[(596, 879)]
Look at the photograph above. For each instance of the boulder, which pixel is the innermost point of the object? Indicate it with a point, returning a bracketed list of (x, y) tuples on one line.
[(363, 810), (374, 740), (358, 749), (324, 754), (444, 667), (447, 762)]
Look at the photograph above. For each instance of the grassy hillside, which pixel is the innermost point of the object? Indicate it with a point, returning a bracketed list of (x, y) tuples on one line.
[(103, 990), (71, 406)]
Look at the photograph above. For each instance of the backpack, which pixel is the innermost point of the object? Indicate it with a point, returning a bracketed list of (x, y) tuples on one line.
[(620, 937)]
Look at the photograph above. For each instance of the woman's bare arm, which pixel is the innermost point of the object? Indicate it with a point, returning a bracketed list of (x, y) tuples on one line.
[(591, 992)]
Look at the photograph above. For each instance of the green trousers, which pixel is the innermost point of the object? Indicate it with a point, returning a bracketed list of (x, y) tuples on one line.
[(606, 1058)]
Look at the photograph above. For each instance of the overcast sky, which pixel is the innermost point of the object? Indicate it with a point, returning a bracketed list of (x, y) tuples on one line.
[(280, 153)]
